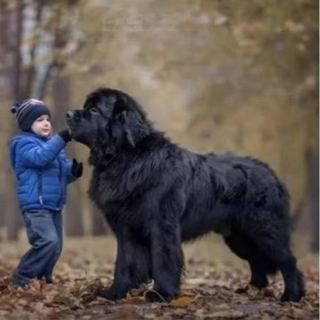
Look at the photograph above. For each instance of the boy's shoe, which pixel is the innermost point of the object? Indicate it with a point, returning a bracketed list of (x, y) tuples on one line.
[(49, 279), (19, 281)]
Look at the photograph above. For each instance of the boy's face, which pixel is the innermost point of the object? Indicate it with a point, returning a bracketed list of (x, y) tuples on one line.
[(42, 126)]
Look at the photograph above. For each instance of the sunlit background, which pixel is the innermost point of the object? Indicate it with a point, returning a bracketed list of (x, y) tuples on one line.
[(219, 75)]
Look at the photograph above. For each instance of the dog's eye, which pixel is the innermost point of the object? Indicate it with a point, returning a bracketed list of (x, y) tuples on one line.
[(94, 110)]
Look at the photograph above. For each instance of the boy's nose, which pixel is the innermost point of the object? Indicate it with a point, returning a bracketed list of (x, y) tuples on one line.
[(69, 115)]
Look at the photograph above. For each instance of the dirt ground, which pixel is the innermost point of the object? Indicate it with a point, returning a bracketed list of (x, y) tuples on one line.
[(211, 276)]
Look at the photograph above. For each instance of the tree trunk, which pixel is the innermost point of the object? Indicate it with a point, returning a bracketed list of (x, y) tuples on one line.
[(73, 212), (17, 84), (4, 88), (312, 161), (14, 33), (31, 70)]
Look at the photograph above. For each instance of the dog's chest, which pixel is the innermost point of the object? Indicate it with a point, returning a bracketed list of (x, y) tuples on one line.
[(100, 187), (105, 188)]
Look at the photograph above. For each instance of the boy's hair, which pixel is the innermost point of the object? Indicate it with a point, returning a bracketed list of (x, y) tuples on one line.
[(28, 111)]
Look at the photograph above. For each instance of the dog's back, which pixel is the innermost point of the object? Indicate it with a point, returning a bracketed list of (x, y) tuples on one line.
[(235, 192)]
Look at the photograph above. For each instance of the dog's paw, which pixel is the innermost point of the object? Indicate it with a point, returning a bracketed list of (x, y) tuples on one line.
[(291, 296), (109, 294), (242, 290), (154, 296)]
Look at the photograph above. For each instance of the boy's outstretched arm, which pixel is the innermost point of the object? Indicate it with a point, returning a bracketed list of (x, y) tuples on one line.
[(36, 156)]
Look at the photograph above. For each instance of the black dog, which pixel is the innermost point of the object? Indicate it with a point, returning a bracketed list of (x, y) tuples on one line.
[(155, 195)]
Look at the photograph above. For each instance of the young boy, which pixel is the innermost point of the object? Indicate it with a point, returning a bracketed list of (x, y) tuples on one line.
[(43, 172)]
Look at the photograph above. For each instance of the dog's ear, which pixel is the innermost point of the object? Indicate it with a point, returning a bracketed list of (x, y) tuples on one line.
[(124, 121), (120, 105), (130, 119)]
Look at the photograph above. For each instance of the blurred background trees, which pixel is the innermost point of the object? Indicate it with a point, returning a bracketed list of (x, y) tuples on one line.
[(218, 75)]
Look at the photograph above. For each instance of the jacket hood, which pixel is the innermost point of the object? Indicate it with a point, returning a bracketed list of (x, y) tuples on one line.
[(12, 148)]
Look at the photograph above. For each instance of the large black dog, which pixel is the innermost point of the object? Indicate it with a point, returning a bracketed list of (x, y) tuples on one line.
[(155, 195)]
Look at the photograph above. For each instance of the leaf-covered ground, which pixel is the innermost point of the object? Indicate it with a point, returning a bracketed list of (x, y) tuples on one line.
[(212, 274)]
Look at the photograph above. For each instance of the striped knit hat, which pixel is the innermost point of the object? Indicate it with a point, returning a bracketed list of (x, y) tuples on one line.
[(28, 111)]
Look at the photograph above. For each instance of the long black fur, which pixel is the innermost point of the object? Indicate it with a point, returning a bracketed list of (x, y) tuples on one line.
[(155, 195)]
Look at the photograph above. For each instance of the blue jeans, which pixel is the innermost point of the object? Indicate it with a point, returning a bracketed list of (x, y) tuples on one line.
[(45, 235)]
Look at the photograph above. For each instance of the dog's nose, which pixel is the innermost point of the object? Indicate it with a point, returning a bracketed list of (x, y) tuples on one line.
[(69, 115)]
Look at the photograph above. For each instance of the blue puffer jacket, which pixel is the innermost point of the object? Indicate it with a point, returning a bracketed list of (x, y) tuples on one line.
[(42, 171)]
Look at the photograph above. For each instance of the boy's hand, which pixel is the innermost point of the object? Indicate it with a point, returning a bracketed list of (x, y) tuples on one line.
[(65, 135), (76, 168)]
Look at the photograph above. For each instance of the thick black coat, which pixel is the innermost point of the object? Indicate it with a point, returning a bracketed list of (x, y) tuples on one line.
[(155, 194)]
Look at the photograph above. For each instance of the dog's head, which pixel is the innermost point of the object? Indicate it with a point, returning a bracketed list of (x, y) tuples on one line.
[(110, 119)]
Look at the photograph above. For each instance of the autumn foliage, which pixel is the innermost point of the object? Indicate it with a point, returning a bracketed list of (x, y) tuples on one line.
[(207, 290)]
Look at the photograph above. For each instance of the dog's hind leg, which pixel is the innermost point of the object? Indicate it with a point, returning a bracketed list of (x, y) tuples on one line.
[(258, 271), (294, 285), (246, 249), (276, 248)]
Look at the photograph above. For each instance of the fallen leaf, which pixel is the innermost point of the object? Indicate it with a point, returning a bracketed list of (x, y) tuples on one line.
[(181, 301)]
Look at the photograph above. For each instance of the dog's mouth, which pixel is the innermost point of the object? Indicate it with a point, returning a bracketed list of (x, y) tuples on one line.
[(75, 125), (71, 123)]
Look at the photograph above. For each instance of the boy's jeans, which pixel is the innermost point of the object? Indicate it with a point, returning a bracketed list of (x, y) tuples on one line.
[(45, 234)]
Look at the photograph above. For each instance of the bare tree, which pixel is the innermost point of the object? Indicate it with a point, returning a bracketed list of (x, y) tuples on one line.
[(19, 76), (11, 20), (73, 212), (312, 198)]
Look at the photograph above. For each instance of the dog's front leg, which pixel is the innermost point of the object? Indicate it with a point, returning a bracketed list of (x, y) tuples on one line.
[(131, 269), (121, 281), (167, 261)]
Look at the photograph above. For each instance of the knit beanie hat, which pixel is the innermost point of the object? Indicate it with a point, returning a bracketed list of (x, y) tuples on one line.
[(28, 111)]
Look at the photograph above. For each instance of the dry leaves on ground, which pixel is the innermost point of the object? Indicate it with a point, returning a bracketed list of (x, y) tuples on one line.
[(208, 292)]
